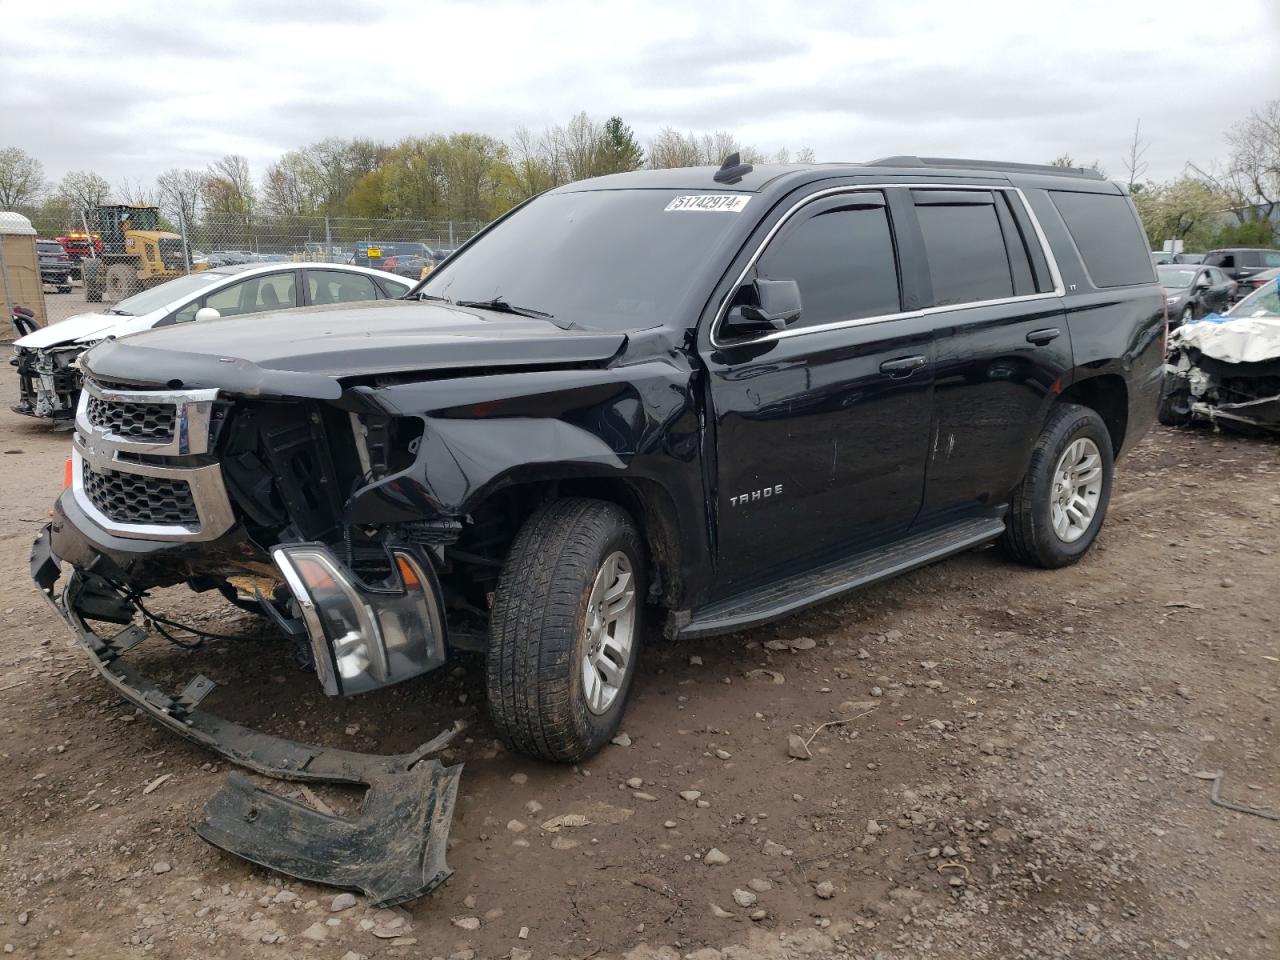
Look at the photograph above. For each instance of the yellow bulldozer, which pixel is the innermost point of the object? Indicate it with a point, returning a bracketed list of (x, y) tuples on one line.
[(135, 253)]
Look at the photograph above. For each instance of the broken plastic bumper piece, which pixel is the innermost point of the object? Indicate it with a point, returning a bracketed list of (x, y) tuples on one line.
[(393, 850), (364, 638)]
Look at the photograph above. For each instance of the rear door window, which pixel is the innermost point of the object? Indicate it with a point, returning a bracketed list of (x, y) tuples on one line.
[(1106, 232), (965, 246), (336, 286), (840, 253)]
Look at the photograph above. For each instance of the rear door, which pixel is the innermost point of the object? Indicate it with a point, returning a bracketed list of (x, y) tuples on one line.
[(1002, 345), (821, 429)]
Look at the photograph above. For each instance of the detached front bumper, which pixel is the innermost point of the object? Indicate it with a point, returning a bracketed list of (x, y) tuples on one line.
[(393, 851)]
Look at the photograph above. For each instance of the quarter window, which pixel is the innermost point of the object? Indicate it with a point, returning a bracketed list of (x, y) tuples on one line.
[(842, 258), (1107, 234), (965, 247)]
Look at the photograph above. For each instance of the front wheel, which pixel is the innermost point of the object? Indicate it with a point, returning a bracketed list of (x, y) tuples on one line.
[(1058, 508), (565, 629), (1188, 316)]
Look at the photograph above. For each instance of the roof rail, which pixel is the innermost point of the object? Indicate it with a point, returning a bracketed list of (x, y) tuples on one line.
[(910, 161)]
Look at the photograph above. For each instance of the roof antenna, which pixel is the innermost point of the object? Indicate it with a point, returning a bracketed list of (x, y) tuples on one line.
[(732, 170)]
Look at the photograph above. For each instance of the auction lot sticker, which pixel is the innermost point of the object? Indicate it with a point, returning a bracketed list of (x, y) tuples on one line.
[(710, 203)]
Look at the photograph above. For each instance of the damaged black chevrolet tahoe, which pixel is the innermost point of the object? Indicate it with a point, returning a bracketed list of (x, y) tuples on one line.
[(714, 397)]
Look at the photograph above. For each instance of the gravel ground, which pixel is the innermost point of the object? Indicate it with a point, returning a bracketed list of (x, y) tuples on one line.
[(1015, 769)]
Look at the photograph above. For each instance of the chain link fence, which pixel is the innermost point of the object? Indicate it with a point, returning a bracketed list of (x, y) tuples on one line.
[(405, 247)]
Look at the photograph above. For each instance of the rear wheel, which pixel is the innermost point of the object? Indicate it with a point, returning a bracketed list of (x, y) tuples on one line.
[(92, 273), (1057, 510), (565, 629), (1174, 409)]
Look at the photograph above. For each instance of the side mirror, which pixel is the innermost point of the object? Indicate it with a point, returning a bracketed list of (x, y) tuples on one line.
[(777, 305), (207, 313)]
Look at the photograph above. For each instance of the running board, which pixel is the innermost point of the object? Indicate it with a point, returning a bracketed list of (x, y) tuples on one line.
[(795, 593)]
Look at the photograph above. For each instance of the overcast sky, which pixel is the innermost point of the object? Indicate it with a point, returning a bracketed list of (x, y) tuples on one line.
[(148, 86)]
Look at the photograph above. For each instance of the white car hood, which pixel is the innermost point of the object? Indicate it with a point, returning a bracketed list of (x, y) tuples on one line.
[(83, 326), (1238, 340)]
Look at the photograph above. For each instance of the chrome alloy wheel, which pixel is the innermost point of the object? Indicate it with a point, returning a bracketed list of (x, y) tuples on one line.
[(609, 632), (1077, 489)]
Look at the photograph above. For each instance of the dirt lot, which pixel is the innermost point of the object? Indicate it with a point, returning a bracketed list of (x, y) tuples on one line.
[(1019, 776)]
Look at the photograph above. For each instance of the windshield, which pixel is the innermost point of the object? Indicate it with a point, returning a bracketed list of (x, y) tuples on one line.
[(1173, 275), (1265, 301), (603, 259), (48, 246), (156, 297)]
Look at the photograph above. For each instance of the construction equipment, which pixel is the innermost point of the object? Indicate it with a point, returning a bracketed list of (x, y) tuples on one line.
[(134, 252)]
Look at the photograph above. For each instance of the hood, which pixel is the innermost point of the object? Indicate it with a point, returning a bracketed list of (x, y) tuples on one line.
[(1253, 339), (298, 352), (83, 326)]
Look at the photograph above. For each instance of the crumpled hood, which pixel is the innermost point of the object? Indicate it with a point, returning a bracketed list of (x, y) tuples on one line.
[(83, 326), (304, 352), (1235, 340)]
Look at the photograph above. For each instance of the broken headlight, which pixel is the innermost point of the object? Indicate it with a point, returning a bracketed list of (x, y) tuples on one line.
[(363, 638)]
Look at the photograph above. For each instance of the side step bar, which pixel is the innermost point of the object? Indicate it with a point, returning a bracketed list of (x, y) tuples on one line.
[(784, 597)]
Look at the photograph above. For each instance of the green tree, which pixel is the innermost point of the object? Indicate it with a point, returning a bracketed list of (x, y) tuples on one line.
[(619, 150), (21, 179)]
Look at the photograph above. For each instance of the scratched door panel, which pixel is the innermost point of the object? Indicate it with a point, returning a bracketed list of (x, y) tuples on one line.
[(820, 452)]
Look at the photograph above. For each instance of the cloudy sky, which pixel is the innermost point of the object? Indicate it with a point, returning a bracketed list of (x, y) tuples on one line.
[(152, 85)]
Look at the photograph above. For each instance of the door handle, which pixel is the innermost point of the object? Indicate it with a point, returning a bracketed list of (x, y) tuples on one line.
[(1041, 337), (903, 366)]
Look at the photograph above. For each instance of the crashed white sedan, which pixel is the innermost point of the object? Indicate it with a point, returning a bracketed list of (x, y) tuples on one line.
[(49, 378), (1225, 369)]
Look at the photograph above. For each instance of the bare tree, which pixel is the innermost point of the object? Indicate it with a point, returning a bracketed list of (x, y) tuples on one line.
[(1250, 180), (136, 192), (1134, 164), (228, 187), (180, 192), (84, 189), (21, 178)]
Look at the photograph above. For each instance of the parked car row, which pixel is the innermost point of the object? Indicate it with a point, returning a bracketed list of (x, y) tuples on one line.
[(1245, 266), (414, 259), (46, 360)]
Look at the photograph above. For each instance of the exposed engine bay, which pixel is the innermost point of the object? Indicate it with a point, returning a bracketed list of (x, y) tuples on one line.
[(1226, 370)]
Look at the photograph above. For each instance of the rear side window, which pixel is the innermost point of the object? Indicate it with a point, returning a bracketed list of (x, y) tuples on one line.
[(1271, 259), (842, 258), (965, 247), (1106, 233)]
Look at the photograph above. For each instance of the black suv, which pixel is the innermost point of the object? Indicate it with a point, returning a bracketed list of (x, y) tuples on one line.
[(712, 396), (55, 265)]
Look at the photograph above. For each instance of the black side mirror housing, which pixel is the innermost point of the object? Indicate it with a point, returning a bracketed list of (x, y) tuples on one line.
[(777, 305)]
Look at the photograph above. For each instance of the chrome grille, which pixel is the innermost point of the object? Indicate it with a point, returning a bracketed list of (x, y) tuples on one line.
[(141, 422), (132, 498)]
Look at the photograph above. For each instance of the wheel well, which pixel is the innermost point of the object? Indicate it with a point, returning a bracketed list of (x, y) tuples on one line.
[(1108, 395), (497, 519)]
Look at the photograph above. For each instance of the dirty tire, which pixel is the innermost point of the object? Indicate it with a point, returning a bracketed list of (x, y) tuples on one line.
[(536, 645), (92, 274), (1029, 535), (1174, 409), (122, 281)]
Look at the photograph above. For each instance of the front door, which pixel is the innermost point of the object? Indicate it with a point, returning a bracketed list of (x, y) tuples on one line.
[(821, 430)]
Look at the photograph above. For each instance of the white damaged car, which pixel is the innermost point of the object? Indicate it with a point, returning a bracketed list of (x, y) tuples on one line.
[(1225, 369), (46, 360)]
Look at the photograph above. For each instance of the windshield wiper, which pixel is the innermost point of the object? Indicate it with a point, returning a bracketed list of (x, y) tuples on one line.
[(499, 305), (120, 313)]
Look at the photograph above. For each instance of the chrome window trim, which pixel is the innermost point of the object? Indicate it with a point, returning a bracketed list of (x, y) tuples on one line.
[(1054, 274), (192, 409)]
